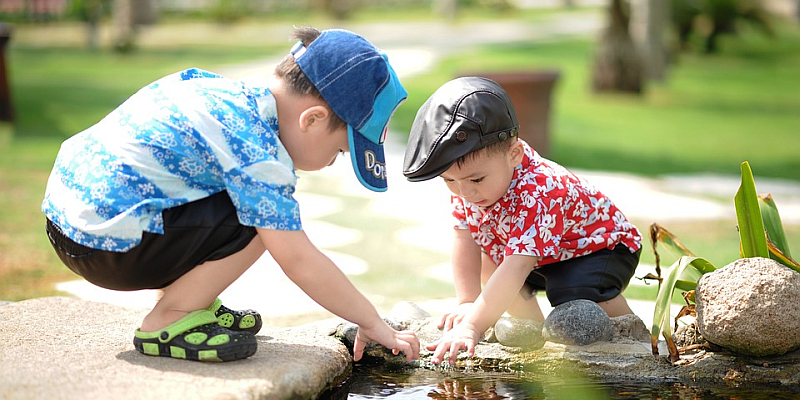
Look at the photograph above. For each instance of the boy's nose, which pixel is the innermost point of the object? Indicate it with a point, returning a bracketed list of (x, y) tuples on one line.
[(465, 190)]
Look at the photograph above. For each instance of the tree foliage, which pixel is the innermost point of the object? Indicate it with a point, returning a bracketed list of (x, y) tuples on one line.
[(710, 19)]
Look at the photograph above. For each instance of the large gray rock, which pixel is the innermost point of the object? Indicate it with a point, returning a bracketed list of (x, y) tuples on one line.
[(579, 322), (751, 306), (65, 348)]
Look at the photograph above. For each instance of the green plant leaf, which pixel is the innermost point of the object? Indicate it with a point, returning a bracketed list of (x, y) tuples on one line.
[(752, 237), (669, 240), (685, 285), (659, 234), (772, 223), (685, 266), (776, 254)]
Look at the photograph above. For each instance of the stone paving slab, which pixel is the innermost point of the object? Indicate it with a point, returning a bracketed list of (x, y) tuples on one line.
[(66, 348)]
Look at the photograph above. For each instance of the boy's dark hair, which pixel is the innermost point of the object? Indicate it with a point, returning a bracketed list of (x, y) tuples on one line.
[(492, 149), (296, 80)]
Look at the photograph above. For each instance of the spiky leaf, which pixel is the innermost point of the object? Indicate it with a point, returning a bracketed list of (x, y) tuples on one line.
[(772, 223), (693, 266), (752, 237)]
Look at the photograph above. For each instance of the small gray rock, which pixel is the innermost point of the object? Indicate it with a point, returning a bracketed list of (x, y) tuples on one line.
[(688, 335), (579, 322), (629, 326), (402, 316), (519, 332)]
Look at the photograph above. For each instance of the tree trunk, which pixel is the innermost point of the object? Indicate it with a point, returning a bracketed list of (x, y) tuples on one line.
[(797, 10), (145, 12), (446, 9), (618, 66), (92, 13), (711, 41), (124, 32), (655, 50), (338, 9)]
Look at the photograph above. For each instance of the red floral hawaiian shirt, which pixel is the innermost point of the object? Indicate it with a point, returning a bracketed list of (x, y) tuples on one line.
[(547, 212)]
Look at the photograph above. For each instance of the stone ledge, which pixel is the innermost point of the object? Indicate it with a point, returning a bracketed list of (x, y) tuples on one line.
[(66, 348), (620, 359)]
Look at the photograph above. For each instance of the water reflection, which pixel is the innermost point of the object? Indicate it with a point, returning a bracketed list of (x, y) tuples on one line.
[(378, 382)]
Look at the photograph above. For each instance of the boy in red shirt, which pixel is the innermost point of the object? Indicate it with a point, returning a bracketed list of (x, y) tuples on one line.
[(525, 223)]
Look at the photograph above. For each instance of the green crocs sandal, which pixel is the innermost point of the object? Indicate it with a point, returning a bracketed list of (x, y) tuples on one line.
[(247, 320), (197, 336)]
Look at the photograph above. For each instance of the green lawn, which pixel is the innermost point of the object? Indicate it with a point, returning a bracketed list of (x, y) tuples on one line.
[(61, 91), (712, 113)]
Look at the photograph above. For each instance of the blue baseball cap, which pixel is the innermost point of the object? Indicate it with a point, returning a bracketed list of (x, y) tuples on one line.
[(360, 86)]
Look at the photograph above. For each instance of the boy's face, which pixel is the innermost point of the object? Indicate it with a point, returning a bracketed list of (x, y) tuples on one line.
[(484, 179), (316, 149), (323, 151)]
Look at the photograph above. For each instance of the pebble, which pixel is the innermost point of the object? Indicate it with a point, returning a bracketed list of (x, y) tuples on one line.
[(519, 332)]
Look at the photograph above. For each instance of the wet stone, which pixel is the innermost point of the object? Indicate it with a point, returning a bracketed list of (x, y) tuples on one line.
[(519, 332), (346, 333), (577, 322)]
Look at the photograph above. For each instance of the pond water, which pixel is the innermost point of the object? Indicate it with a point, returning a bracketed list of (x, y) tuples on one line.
[(378, 382)]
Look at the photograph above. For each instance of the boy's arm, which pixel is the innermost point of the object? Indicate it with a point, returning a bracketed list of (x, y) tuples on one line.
[(466, 267), (466, 259), (325, 283), (497, 296)]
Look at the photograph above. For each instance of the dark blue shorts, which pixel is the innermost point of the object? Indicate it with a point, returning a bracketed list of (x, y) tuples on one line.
[(599, 276), (203, 230)]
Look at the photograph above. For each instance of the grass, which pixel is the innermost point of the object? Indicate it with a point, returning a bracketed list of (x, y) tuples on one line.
[(61, 91), (711, 113), (28, 266)]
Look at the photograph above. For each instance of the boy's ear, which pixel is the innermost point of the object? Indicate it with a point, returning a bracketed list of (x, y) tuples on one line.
[(313, 116), (516, 152)]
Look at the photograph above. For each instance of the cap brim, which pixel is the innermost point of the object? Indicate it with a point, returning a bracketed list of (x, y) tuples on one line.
[(369, 161), (429, 174)]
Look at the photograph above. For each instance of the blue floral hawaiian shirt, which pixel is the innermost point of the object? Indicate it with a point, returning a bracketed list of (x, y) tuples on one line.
[(182, 138)]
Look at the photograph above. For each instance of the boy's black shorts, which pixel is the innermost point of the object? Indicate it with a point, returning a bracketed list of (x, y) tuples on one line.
[(599, 276), (203, 230)]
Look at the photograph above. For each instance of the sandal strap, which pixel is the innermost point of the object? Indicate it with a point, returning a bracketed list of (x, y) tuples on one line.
[(215, 305), (191, 320)]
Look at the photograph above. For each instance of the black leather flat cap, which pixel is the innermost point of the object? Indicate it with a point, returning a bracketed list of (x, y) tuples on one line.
[(463, 115)]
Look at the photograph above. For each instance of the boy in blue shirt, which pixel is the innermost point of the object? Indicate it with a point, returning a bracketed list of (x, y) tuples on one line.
[(188, 182)]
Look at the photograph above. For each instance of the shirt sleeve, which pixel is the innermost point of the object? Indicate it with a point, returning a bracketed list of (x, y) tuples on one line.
[(459, 212)]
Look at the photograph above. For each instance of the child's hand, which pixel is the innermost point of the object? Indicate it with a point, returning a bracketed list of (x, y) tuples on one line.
[(449, 320), (462, 337), (405, 342)]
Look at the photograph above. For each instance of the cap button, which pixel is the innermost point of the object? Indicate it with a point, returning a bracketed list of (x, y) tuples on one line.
[(503, 136), (461, 136)]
